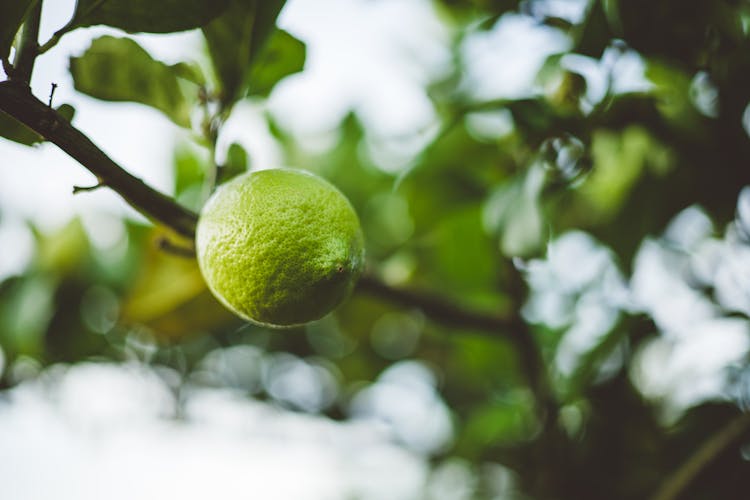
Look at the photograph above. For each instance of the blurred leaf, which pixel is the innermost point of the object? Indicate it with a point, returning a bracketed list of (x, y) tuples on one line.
[(464, 258), (197, 316), (569, 93), (505, 422), (62, 251), (165, 281), (69, 336), (619, 160), (189, 167), (472, 7), (550, 70), (386, 222), (282, 56), (170, 296), (67, 111), (13, 130), (235, 40), (25, 309), (453, 173), (480, 366), (235, 164), (672, 88), (153, 16), (190, 72), (118, 69), (341, 164), (12, 14)]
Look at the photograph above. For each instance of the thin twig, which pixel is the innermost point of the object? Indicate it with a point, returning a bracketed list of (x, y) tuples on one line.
[(56, 36), (51, 94), (69, 26), (81, 189), (709, 451)]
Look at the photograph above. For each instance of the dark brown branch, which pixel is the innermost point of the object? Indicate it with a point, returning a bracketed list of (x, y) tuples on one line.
[(17, 101)]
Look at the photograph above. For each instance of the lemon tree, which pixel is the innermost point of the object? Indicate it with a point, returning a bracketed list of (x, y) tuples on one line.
[(279, 247)]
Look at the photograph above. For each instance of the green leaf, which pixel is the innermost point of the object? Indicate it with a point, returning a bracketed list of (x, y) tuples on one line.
[(64, 251), (464, 257), (235, 164), (67, 111), (508, 420), (12, 14), (26, 308), (152, 16), (118, 69), (189, 167), (620, 160), (13, 130), (282, 56), (190, 72), (235, 40)]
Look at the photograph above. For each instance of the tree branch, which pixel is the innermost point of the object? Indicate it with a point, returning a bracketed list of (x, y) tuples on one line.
[(680, 479), (17, 101), (447, 312), (436, 307)]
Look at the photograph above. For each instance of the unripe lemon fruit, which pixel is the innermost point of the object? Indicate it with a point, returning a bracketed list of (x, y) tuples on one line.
[(279, 247)]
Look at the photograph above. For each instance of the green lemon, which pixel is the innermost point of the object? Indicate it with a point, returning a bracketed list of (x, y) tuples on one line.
[(279, 247)]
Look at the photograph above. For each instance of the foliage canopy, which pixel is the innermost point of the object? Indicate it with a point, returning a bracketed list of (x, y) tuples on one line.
[(528, 249)]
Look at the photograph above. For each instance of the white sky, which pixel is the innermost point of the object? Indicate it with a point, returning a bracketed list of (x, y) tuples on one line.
[(104, 431)]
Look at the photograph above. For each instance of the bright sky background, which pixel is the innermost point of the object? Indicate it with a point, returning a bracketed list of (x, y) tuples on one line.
[(103, 431)]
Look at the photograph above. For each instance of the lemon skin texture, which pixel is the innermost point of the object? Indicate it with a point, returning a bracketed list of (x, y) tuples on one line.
[(279, 247)]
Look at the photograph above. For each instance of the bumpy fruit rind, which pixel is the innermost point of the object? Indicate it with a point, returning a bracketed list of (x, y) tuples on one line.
[(279, 247)]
